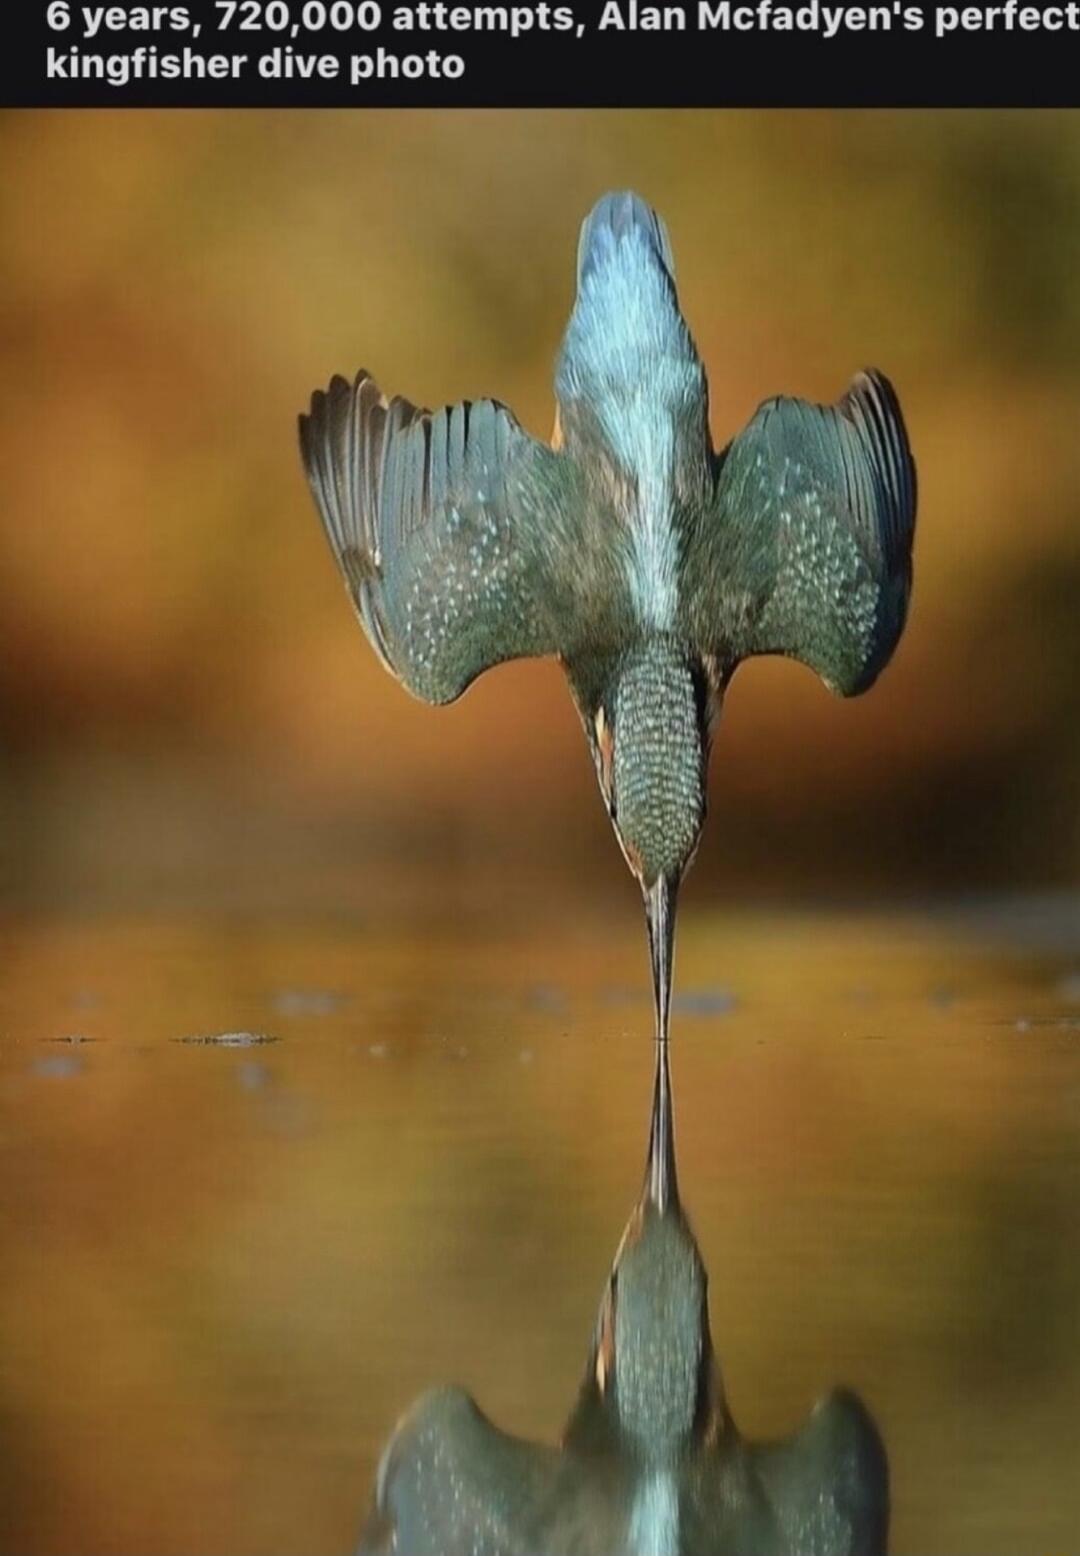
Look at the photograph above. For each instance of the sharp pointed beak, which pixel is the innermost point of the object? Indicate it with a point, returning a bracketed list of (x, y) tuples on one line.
[(661, 1185), (660, 917)]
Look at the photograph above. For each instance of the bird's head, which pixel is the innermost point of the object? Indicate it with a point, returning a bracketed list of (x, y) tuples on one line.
[(650, 735), (649, 719)]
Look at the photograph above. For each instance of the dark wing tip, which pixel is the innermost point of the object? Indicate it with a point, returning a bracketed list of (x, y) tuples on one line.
[(334, 433), (873, 406), (313, 421), (310, 425), (314, 411), (338, 387), (303, 423)]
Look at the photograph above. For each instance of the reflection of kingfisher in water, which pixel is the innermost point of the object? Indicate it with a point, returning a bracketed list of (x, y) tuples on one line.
[(651, 1463), (649, 564)]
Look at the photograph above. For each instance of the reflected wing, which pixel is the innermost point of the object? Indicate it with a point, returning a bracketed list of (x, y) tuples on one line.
[(452, 1484), (824, 1491), (807, 548), (828, 1485), (446, 526)]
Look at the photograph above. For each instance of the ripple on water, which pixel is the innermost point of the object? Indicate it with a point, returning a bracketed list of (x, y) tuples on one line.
[(307, 1002), (704, 1002), (58, 1066), (226, 1039)]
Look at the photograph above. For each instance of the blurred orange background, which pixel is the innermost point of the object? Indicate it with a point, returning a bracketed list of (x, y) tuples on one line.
[(187, 706)]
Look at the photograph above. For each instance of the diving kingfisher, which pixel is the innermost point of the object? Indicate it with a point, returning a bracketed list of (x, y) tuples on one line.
[(649, 564)]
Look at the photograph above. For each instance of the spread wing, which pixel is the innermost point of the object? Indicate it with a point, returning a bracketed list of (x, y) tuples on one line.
[(451, 1484), (447, 528), (806, 550), (828, 1484)]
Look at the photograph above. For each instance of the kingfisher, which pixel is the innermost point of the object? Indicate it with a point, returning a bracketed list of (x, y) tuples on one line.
[(651, 1461), (650, 565)]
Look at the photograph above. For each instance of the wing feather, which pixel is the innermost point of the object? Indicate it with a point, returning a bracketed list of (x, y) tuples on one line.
[(448, 528), (451, 1484), (806, 549)]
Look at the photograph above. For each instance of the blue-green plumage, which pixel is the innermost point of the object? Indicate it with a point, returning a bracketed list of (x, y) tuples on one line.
[(649, 564)]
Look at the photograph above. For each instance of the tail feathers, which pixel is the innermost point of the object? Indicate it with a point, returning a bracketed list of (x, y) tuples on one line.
[(628, 360), (618, 219)]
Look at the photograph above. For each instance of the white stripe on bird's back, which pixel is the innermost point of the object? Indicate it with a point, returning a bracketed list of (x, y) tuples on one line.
[(654, 1521), (629, 357)]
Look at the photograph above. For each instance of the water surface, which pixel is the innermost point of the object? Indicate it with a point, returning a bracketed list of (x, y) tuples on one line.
[(265, 1184)]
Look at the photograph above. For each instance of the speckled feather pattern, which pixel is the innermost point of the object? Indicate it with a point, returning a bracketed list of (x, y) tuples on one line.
[(447, 527), (659, 756), (808, 548)]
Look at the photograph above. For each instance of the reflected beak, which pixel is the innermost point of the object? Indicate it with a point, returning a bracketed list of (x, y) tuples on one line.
[(661, 1185)]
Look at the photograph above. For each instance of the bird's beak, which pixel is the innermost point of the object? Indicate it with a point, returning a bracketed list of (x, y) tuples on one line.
[(661, 1186), (660, 917)]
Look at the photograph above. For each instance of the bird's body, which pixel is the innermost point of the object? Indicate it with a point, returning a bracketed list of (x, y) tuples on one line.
[(650, 565)]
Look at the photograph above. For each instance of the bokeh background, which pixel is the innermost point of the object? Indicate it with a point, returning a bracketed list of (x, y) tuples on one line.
[(187, 707), (228, 1265)]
